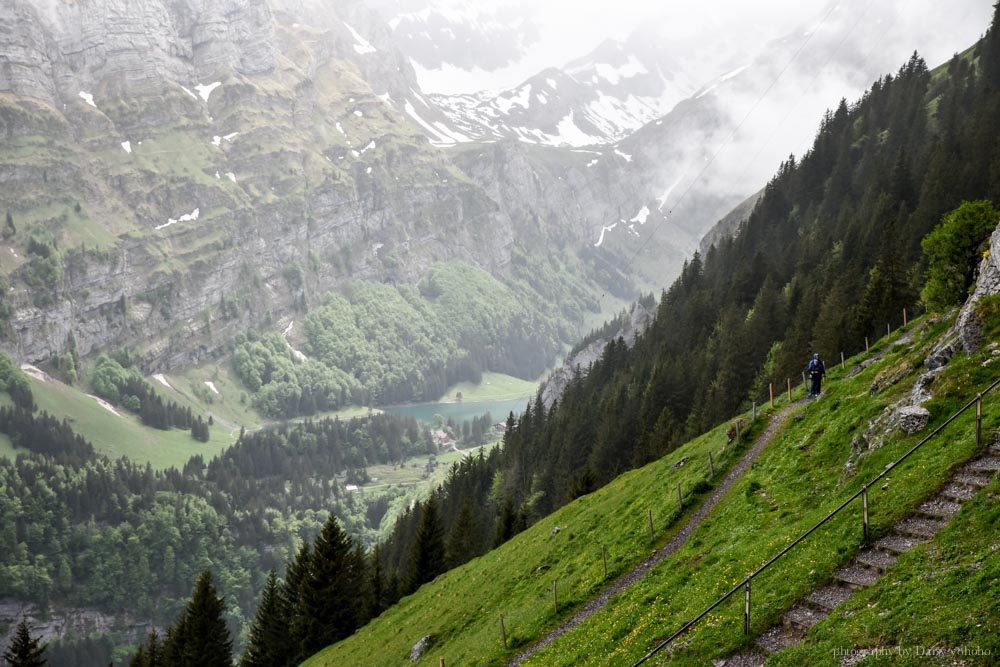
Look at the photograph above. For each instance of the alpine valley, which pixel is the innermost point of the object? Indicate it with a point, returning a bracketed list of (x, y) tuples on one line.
[(239, 234)]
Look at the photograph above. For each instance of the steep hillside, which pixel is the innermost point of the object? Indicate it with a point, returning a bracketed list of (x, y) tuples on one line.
[(829, 258), (812, 457)]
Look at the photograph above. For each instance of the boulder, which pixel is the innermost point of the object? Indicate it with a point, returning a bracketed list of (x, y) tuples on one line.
[(419, 648), (912, 418)]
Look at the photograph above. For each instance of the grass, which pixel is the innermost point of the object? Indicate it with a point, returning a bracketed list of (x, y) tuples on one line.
[(939, 601), (494, 387), (795, 482), (7, 450), (230, 406), (125, 435), (411, 473), (462, 613)]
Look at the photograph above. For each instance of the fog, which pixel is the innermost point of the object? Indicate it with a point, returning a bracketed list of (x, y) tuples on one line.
[(568, 29)]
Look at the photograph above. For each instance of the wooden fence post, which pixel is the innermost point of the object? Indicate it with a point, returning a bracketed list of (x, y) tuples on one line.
[(770, 390), (789, 389), (650, 514), (866, 344), (711, 463), (842, 364)]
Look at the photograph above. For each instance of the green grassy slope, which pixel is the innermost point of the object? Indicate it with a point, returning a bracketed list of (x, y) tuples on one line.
[(800, 477), (124, 434), (461, 609)]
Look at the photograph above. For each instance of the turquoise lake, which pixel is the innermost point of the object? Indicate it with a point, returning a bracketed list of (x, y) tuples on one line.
[(460, 411)]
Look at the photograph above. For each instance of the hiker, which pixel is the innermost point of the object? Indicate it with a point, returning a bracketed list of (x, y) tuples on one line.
[(817, 371)]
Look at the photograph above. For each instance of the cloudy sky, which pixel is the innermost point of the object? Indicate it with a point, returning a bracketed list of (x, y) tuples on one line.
[(568, 29)]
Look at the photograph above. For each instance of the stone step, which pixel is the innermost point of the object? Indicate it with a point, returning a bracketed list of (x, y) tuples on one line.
[(877, 558), (971, 479), (778, 638), (745, 659), (959, 492), (899, 544), (803, 617), (939, 507), (856, 576), (919, 527), (829, 597), (984, 464)]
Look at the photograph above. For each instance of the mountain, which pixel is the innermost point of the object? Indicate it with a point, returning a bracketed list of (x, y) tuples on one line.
[(836, 251), (600, 554), (831, 256), (246, 153)]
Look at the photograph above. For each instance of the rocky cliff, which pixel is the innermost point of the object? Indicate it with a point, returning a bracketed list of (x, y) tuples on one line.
[(176, 172)]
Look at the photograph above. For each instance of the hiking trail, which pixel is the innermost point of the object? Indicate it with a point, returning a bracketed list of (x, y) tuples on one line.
[(694, 521)]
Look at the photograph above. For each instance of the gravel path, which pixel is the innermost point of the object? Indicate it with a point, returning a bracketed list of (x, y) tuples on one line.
[(675, 543)]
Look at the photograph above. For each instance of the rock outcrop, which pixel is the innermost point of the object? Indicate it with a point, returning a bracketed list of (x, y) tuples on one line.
[(634, 322)]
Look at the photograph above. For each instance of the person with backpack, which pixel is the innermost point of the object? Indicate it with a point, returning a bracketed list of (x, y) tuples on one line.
[(817, 371)]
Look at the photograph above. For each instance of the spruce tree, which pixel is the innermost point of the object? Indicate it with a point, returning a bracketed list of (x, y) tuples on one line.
[(461, 546), (427, 558), (331, 601), (269, 632), (25, 650), (200, 638)]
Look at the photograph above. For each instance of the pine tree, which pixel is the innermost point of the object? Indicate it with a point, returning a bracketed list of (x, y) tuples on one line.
[(427, 553), (269, 632), (25, 650)]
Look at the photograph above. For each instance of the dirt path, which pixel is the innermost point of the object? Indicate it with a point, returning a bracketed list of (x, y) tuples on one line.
[(675, 543)]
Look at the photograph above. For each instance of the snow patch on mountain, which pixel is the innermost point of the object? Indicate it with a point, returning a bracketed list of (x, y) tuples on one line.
[(205, 90), (605, 230), (568, 132), (666, 193), (641, 216), (441, 135), (614, 75), (188, 217), (521, 98), (361, 45)]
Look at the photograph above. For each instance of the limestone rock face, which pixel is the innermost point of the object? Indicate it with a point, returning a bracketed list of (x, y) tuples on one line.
[(967, 332), (968, 325), (54, 50)]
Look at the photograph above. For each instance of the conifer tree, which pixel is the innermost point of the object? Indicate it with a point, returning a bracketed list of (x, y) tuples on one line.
[(25, 650), (330, 601), (427, 558), (461, 548), (200, 638), (269, 632)]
